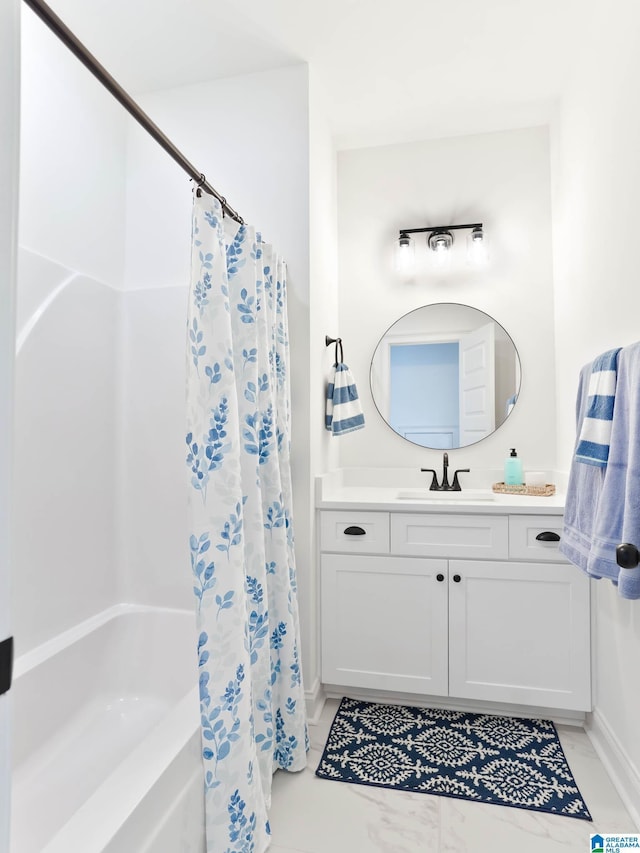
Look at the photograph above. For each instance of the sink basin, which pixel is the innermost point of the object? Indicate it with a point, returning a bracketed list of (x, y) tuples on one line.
[(445, 497)]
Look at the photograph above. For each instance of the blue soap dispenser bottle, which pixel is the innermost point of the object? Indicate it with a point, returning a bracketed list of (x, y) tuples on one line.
[(513, 475)]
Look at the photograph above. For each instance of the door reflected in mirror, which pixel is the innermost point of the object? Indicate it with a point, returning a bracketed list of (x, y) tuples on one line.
[(445, 375)]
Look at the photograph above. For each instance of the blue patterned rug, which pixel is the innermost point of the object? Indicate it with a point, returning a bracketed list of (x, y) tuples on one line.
[(502, 760)]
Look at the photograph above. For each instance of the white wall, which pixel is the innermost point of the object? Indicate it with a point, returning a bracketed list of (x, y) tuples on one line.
[(500, 179), (323, 320), (9, 109), (250, 136), (71, 160), (596, 179), (70, 271)]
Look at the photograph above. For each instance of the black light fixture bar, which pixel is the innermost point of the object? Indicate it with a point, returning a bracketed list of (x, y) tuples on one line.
[(438, 228)]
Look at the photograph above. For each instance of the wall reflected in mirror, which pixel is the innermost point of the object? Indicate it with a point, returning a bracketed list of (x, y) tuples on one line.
[(445, 376)]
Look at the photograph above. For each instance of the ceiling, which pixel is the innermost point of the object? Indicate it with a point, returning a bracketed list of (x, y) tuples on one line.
[(390, 72)]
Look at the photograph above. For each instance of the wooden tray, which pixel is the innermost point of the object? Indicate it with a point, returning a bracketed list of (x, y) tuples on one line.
[(536, 491)]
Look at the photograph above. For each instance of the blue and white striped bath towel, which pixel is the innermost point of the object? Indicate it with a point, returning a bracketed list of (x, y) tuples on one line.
[(343, 412), (595, 434)]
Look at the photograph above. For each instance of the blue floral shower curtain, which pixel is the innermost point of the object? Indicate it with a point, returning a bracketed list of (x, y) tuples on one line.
[(241, 542)]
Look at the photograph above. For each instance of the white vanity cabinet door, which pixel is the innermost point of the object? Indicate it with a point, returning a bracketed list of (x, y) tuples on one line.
[(384, 623), (519, 632)]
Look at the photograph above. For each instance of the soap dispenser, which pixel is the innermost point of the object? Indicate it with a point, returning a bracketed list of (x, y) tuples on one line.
[(513, 475)]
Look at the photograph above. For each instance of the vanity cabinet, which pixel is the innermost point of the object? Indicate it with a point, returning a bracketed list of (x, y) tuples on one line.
[(469, 606)]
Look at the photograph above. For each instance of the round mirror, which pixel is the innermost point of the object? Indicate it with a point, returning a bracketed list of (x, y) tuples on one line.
[(445, 375)]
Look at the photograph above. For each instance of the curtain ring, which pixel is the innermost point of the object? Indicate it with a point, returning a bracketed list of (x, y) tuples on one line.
[(200, 184)]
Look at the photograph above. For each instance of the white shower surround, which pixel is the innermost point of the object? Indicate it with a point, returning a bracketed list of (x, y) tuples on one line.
[(140, 787), (98, 520), (106, 731), (64, 450)]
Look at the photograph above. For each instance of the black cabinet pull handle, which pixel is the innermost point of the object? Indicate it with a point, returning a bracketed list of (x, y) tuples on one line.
[(627, 556), (355, 531), (548, 536), (440, 577), (457, 578)]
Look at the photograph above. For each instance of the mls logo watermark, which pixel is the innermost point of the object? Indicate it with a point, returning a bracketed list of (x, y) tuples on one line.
[(614, 843)]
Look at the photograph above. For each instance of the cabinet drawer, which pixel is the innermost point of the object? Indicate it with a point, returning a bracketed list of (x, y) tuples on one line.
[(523, 541), (374, 540), (450, 536)]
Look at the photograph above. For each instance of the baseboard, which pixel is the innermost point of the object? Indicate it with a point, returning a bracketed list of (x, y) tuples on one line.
[(623, 774), (475, 706), (314, 702)]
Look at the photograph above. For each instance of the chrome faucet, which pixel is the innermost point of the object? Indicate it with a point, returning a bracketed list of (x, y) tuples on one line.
[(445, 486)]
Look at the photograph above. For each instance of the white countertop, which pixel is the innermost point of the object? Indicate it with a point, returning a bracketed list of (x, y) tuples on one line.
[(341, 490)]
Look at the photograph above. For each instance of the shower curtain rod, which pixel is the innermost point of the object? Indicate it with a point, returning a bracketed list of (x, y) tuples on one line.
[(46, 14)]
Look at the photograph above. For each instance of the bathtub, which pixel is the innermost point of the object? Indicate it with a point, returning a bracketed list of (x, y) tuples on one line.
[(106, 746)]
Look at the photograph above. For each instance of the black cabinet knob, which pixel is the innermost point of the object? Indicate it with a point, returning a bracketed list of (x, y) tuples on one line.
[(355, 531), (548, 536), (627, 556), (440, 578), (457, 578)]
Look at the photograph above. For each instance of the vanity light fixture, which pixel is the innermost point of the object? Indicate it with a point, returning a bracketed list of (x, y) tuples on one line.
[(477, 246), (405, 254), (440, 241)]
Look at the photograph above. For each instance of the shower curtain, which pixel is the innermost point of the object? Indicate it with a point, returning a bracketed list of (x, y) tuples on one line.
[(241, 532)]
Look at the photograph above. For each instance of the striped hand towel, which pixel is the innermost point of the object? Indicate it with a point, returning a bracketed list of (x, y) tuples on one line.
[(595, 435), (343, 412)]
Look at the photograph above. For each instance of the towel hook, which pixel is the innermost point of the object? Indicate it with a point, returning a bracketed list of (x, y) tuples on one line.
[(338, 342)]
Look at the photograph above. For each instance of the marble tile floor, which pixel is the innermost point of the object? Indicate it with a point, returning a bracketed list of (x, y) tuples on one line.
[(312, 815)]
